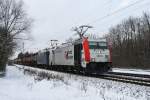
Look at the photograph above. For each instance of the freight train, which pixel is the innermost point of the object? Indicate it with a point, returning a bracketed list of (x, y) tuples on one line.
[(86, 55)]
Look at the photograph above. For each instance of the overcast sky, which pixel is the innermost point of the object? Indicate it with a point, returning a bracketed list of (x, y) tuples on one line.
[(53, 19)]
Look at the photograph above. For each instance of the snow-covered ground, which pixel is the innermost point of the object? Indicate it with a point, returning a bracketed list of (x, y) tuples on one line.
[(20, 84), (134, 71)]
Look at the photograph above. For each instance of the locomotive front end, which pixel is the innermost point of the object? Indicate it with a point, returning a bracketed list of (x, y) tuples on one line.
[(100, 56)]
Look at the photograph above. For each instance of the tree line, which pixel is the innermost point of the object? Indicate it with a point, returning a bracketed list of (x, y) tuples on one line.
[(131, 42), (13, 22)]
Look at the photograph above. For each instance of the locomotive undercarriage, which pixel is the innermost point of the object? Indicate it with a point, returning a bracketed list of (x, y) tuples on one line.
[(91, 67), (98, 67)]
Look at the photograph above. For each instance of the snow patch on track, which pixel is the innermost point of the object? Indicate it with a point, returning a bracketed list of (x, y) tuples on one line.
[(132, 71)]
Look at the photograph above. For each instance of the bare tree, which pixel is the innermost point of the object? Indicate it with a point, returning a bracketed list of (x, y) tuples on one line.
[(13, 21), (13, 17), (131, 42)]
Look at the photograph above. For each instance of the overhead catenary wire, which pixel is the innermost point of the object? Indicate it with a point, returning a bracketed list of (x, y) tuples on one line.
[(109, 14), (80, 19), (115, 12), (107, 3)]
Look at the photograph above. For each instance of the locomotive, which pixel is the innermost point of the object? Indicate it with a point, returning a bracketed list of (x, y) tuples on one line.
[(87, 55)]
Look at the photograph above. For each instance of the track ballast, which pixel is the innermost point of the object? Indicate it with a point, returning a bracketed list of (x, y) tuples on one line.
[(139, 79)]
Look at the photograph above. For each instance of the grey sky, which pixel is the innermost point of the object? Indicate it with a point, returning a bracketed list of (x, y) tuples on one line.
[(53, 19)]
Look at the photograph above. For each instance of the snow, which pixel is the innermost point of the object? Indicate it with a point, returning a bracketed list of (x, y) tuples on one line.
[(134, 71), (25, 83)]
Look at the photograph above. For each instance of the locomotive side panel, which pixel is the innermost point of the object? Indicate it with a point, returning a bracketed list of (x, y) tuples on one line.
[(51, 57), (43, 58), (64, 56), (77, 54)]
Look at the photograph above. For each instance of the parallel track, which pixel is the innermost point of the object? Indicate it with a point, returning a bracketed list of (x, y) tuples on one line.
[(128, 78)]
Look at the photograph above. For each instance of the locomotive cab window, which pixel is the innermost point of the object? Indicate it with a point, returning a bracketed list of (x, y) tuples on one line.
[(98, 45)]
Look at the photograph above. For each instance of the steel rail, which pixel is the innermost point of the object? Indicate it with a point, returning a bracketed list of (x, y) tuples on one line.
[(127, 78)]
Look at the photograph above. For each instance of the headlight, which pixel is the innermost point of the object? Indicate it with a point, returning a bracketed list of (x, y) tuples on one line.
[(93, 59)]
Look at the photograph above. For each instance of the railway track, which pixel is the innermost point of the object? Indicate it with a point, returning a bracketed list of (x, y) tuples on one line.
[(138, 79), (127, 78)]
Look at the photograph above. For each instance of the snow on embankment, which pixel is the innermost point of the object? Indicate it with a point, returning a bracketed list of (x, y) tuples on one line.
[(26, 83), (132, 71)]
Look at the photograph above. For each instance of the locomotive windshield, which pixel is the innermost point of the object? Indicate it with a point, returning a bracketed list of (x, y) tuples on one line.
[(98, 45)]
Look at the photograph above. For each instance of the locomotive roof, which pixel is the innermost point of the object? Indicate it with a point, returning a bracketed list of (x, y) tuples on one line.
[(77, 41), (44, 50), (89, 39)]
